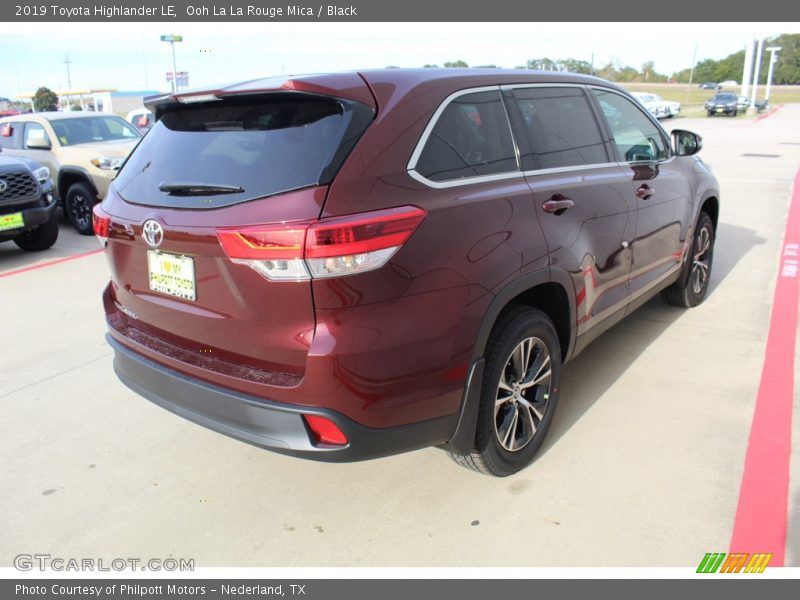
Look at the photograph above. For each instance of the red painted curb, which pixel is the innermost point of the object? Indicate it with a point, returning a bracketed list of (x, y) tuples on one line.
[(50, 263), (761, 516), (769, 114)]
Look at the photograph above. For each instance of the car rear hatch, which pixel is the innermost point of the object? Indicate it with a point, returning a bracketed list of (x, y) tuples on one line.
[(210, 170)]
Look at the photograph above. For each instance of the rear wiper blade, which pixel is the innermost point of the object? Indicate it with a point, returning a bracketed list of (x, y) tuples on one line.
[(198, 189)]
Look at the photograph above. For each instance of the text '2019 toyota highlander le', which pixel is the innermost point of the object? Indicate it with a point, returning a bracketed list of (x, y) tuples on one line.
[(352, 265)]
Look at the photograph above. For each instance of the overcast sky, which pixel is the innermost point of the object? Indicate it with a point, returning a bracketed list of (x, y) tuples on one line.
[(131, 57)]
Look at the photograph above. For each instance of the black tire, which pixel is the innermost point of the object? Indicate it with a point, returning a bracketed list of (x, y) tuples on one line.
[(39, 238), (78, 206), (517, 327), (690, 290)]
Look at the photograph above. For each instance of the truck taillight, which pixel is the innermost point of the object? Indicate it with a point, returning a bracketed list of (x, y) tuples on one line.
[(101, 223), (327, 248)]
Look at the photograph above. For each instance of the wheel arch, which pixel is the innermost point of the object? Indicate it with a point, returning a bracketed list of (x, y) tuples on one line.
[(550, 291), (67, 176)]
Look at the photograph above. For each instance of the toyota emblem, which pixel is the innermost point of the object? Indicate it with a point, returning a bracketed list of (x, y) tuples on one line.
[(152, 233), (3, 185)]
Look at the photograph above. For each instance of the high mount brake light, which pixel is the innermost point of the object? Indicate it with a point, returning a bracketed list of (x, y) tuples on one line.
[(328, 248)]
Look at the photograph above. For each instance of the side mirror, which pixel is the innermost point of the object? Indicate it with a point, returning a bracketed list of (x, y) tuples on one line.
[(38, 144), (686, 143)]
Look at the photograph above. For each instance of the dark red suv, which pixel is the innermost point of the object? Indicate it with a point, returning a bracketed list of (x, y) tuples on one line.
[(352, 265)]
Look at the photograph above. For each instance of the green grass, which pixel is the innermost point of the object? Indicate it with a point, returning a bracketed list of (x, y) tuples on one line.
[(692, 97)]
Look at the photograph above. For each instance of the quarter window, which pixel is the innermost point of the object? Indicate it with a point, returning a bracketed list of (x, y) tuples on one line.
[(471, 138), (637, 138), (560, 128)]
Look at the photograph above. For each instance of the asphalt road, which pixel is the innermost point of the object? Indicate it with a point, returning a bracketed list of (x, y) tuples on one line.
[(642, 467)]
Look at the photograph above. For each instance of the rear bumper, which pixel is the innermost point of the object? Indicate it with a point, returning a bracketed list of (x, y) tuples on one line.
[(271, 425)]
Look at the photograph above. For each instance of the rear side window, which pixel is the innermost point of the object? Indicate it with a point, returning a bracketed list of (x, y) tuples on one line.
[(471, 138), (248, 148), (637, 138), (560, 128)]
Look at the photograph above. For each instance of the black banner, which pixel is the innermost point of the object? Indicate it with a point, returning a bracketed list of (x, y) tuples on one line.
[(745, 588), (391, 10)]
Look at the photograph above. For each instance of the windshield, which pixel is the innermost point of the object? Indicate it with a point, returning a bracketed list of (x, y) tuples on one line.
[(86, 130), (225, 152)]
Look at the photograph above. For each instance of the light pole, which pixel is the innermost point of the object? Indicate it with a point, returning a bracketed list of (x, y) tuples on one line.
[(773, 51), (756, 69), (747, 73), (172, 39), (68, 62)]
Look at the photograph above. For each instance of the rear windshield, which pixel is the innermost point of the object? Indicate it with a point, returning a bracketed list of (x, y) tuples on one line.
[(86, 130), (229, 151)]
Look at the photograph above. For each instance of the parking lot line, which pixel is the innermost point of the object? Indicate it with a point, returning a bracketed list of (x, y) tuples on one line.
[(50, 263), (762, 513), (769, 114)]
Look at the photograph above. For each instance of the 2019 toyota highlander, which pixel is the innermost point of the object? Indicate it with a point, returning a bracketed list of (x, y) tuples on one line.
[(351, 265)]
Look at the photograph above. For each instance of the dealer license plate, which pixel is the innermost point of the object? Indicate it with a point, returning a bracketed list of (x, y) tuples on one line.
[(12, 221), (171, 274)]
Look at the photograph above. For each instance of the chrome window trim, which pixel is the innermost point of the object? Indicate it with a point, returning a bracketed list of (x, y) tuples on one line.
[(646, 113), (412, 163), (519, 86), (439, 185), (415, 156), (556, 170)]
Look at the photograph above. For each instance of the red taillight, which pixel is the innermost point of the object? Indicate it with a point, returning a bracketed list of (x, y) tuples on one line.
[(327, 248), (325, 431), (358, 234), (265, 242), (101, 223)]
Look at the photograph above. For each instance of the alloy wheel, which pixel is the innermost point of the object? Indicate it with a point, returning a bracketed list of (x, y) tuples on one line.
[(522, 394), (701, 262)]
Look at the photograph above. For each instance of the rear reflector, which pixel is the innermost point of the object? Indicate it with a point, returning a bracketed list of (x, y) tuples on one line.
[(325, 431), (101, 223), (327, 248)]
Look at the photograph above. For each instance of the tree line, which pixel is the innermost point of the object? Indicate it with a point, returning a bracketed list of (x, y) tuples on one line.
[(786, 71)]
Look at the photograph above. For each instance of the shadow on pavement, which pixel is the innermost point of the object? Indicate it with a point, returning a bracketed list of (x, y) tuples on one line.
[(597, 368)]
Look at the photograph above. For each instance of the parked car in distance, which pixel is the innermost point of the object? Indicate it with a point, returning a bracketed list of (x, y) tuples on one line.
[(82, 151), (657, 106), (351, 265), (141, 118), (723, 103), (651, 102), (708, 85), (742, 103), (27, 204)]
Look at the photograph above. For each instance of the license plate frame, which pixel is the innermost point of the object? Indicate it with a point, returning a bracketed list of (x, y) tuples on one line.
[(12, 221), (172, 274)]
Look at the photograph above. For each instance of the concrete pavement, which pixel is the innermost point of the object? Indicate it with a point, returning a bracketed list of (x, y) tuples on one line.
[(642, 466)]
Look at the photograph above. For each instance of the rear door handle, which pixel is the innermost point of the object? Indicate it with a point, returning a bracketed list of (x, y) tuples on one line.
[(644, 191), (557, 204)]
